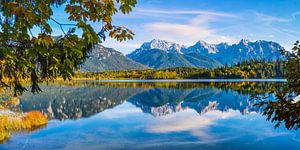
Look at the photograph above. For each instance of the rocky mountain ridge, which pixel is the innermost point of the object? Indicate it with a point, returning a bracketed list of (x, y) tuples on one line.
[(161, 54)]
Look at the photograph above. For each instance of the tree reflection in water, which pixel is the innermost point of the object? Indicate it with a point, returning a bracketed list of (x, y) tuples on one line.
[(286, 108), (84, 99)]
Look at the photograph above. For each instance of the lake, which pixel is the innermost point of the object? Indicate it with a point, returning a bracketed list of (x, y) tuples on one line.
[(168, 114)]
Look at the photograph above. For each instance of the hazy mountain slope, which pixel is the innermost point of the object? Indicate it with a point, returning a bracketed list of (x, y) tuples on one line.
[(103, 59), (202, 61), (157, 58)]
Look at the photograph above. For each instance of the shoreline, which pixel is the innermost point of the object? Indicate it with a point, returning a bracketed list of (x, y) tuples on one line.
[(183, 80)]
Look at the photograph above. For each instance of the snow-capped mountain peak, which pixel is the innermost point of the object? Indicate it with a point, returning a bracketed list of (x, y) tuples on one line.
[(160, 53), (244, 42), (203, 43), (162, 45), (201, 47)]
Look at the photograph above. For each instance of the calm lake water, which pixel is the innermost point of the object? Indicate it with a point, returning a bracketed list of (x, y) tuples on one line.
[(153, 115)]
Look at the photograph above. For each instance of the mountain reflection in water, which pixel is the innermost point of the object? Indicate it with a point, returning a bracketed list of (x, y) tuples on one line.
[(84, 99), (155, 115)]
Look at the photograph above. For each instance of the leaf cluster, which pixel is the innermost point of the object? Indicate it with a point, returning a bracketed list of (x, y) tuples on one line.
[(43, 57)]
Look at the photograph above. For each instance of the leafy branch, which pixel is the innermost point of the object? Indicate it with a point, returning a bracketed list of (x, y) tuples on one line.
[(24, 57)]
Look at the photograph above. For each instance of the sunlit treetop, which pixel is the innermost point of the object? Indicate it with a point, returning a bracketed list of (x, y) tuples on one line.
[(42, 57)]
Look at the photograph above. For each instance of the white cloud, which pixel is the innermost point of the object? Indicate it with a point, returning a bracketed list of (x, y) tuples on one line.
[(125, 46), (184, 12), (190, 121), (188, 26), (197, 28), (295, 14), (122, 112), (267, 19), (178, 32), (180, 26)]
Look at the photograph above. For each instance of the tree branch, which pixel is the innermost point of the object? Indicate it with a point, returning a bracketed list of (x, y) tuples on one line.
[(62, 24)]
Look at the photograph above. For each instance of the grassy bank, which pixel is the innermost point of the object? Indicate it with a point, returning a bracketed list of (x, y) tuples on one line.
[(12, 120), (17, 122)]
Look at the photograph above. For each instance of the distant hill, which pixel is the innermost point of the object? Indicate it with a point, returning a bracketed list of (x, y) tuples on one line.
[(107, 59), (163, 54)]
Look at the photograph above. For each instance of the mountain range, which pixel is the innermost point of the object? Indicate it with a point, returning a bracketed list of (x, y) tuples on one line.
[(202, 54), (163, 54)]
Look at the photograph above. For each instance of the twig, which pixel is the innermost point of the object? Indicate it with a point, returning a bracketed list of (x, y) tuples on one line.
[(62, 24), (30, 33)]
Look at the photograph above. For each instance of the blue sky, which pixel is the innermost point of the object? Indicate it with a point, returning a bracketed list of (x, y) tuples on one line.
[(213, 21)]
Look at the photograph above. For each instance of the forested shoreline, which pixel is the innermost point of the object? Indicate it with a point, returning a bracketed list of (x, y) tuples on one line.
[(244, 70)]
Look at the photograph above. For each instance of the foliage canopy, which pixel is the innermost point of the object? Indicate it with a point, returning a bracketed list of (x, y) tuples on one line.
[(42, 57)]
